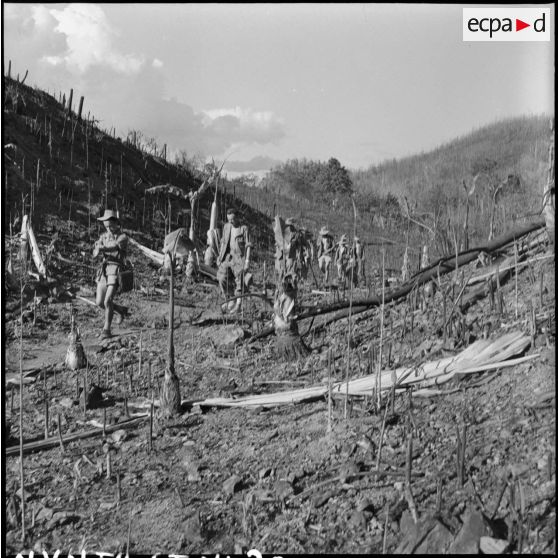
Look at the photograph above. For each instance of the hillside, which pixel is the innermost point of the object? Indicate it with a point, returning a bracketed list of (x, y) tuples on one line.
[(323, 454), (516, 146), (72, 168), (493, 178)]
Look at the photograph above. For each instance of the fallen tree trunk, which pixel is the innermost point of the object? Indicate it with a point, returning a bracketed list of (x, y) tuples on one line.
[(55, 441), (440, 267), (484, 354), (159, 259)]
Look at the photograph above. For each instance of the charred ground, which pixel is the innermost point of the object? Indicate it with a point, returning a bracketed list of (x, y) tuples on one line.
[(276, 479)]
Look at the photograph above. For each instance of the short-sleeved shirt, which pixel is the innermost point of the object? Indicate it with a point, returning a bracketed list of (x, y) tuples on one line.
[(118, 255), (326, 245)]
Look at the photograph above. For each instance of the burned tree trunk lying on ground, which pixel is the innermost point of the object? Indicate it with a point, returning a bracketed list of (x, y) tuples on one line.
[(441, 267)]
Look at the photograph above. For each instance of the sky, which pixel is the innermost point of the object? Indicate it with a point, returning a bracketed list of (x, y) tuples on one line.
[(258, 84)]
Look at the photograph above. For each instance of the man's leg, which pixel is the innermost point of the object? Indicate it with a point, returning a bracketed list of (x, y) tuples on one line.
[(223, 278), (238, 272), (101, 292), (109, 308)]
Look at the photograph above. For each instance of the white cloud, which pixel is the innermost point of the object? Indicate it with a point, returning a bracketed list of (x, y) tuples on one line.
[(210, 132), (88, 39), (76, 47), (244, 125), (42, 17)]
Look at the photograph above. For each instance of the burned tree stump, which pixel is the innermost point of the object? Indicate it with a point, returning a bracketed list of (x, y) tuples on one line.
[(170, 394), (290, 263), (289, 345)]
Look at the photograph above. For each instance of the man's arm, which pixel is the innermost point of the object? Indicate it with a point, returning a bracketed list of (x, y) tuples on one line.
[(248, 248), (222, 244), (107, 245)]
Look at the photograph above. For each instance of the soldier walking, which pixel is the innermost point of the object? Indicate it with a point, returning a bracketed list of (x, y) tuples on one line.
[(234, 258)]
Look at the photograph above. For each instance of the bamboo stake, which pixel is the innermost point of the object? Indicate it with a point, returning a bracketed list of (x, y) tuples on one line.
[(60, 435), (80, 107), (140, 355), (384, 543), (380, 443), (350, 315), (533, 324), (461, 475), (128, 538), (118, 488), (439, 494), (379, 376), (151, 427), (329, 410), (516, 289), (70, 101), (408, 469), (499, 308), (46, 415), (21, 469)]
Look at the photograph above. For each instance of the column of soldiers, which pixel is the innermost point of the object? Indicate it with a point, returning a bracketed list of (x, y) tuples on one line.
[(293, 258), (348, 260)]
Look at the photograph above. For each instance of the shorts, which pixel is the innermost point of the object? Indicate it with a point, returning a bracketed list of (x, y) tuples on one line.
[(108, 274), (324, 262)]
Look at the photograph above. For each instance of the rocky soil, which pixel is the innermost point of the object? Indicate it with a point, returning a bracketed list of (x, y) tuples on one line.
[(222, 480), (99, 475)]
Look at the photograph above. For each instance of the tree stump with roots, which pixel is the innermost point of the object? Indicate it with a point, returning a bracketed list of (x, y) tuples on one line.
[(289, 345), (291, 261), (170, 394)]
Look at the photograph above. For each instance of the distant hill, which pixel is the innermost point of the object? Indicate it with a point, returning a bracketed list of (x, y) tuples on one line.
[(517, 146), (64, 170), (490, 179)]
